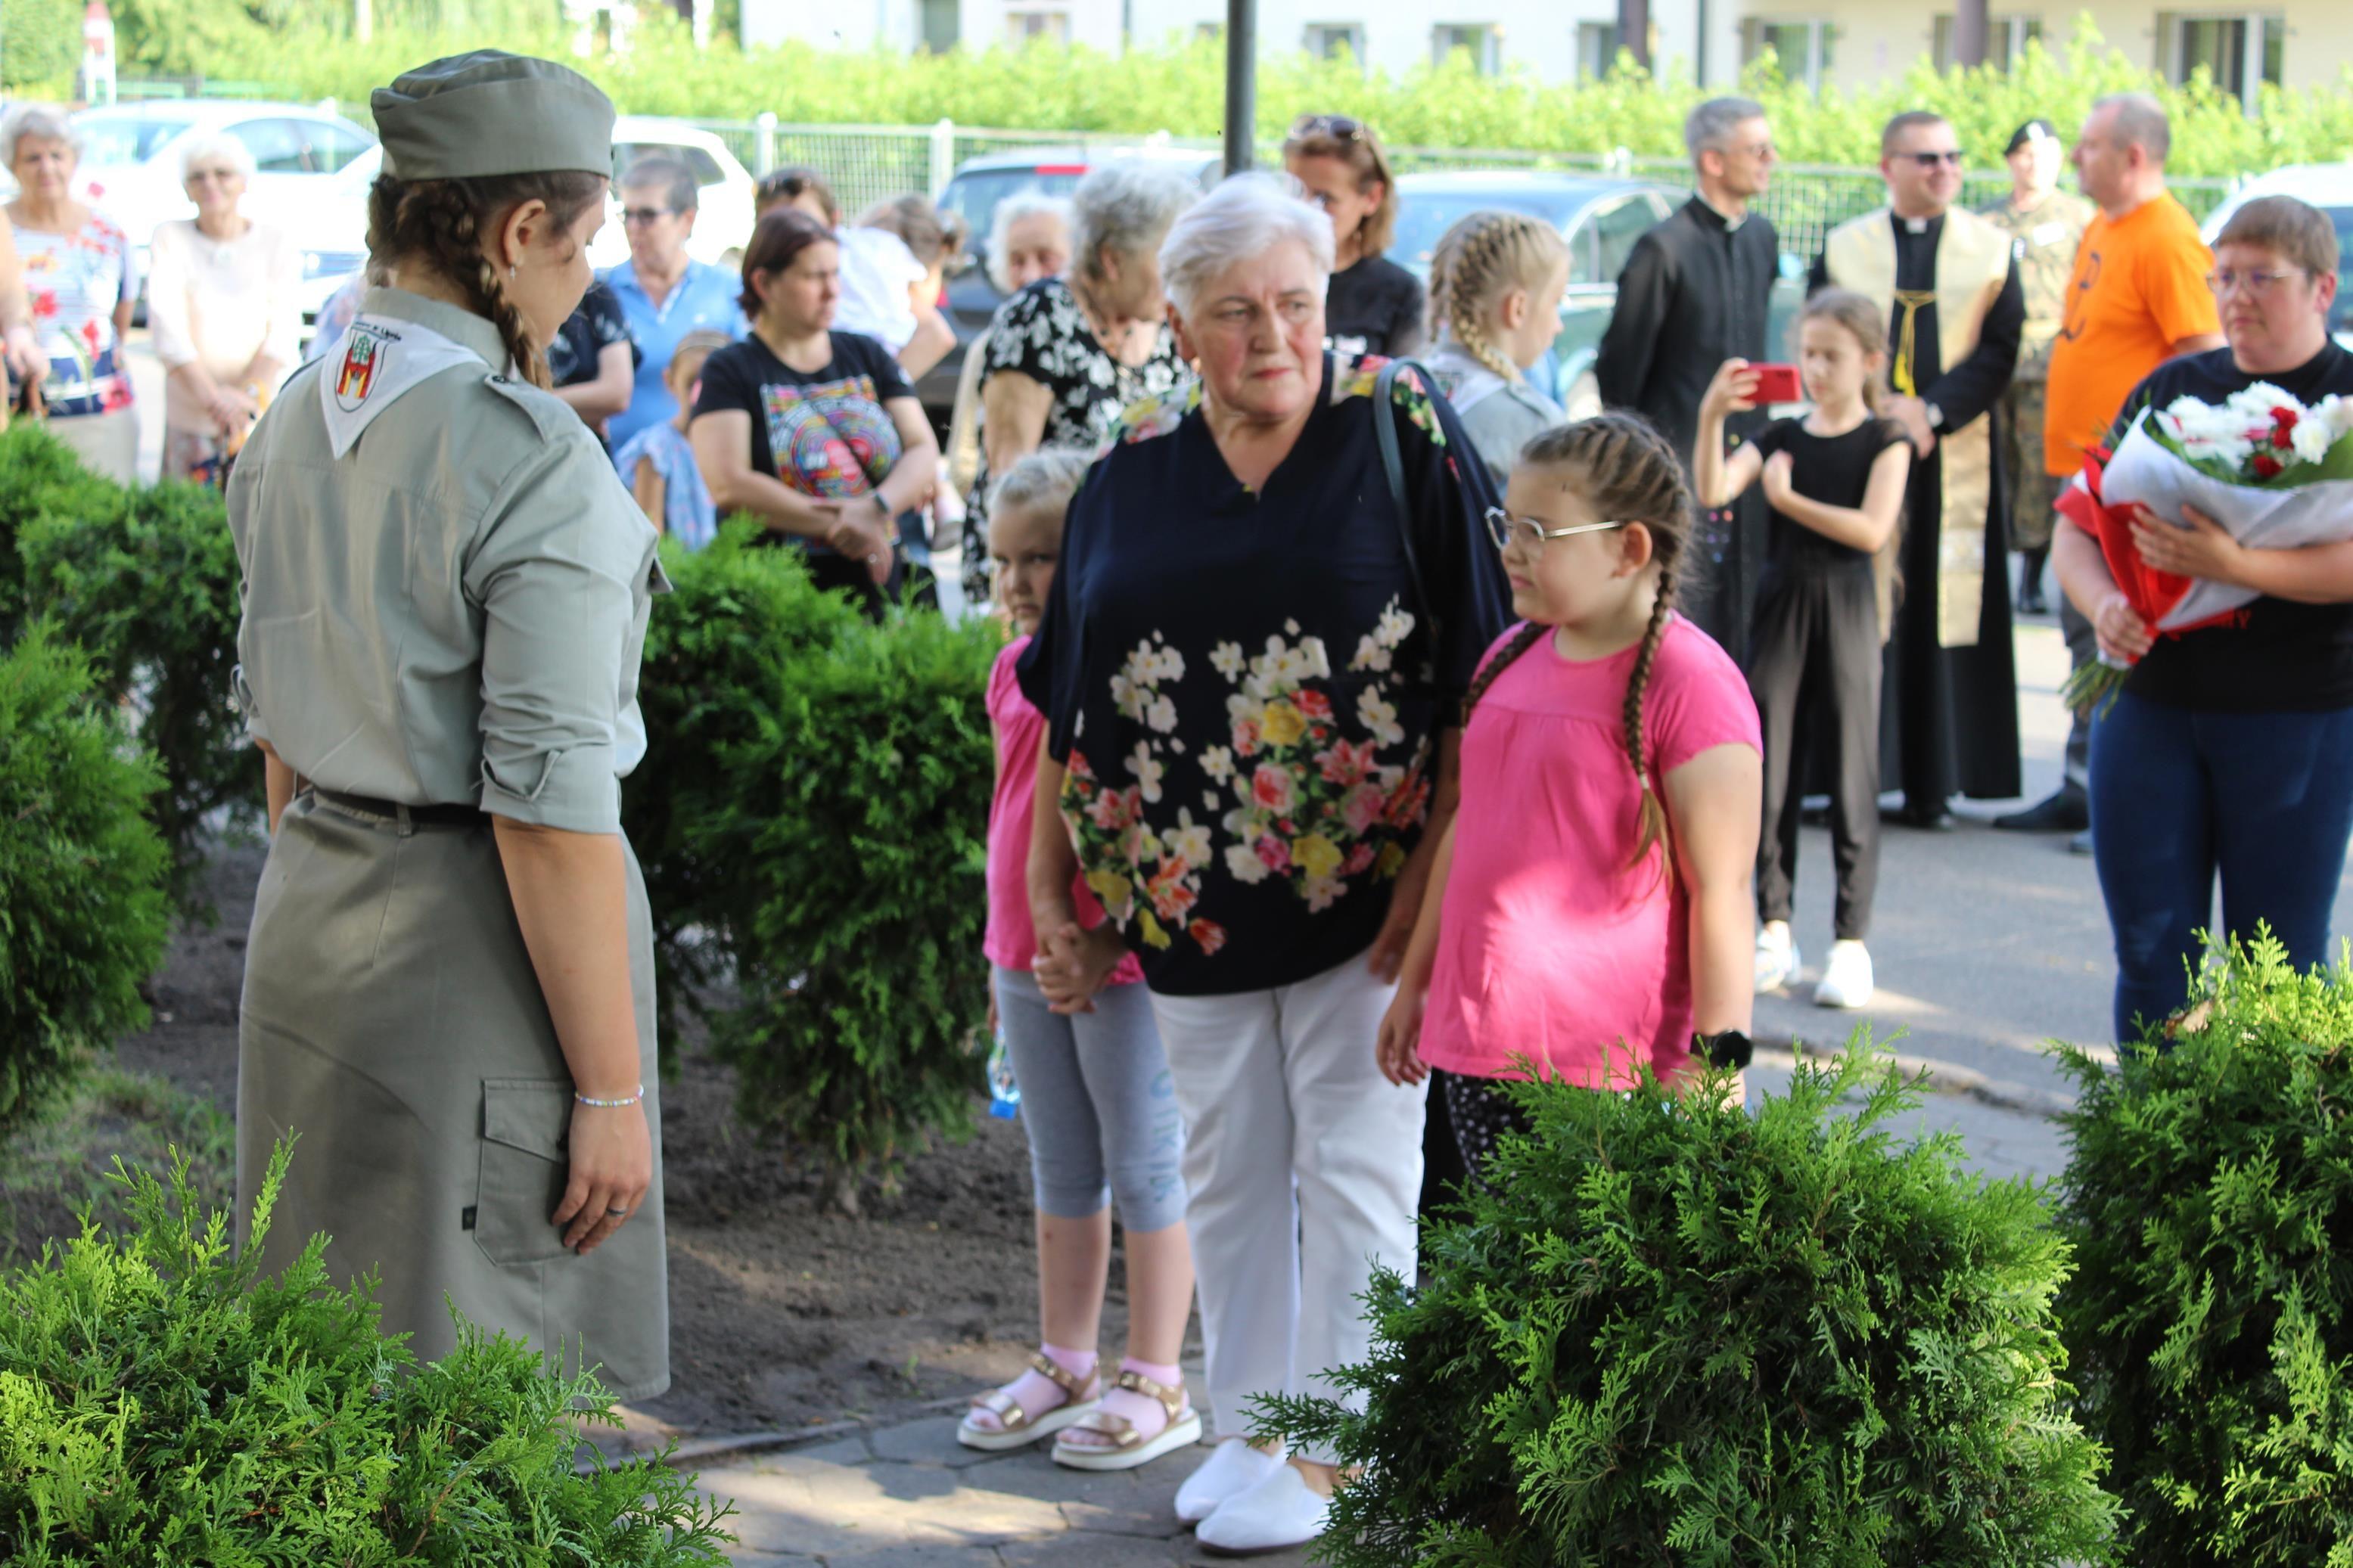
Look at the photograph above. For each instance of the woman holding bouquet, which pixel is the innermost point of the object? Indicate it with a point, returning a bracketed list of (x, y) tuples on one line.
[(2228, 751)]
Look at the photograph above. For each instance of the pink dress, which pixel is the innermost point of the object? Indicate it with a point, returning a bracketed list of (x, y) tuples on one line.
[(1012, 940), (1549, 946)]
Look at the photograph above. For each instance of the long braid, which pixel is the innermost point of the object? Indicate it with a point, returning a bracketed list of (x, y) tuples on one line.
[(440, 223), (1522, 640), (1624, 468), (1482, 258), (1473, 278)]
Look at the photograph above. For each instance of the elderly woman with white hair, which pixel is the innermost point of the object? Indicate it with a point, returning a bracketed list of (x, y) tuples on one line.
[(224, 302), (80, 278), (1251, 665), (1029, 240), (1067, 352)]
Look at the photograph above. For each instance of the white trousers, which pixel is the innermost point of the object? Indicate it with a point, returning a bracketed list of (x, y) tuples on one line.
[(1302, 1167)]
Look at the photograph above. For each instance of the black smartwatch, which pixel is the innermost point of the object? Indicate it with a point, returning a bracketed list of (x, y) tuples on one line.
[(1729, 1049)]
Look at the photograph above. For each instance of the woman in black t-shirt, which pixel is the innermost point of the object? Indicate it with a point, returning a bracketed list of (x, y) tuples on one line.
[(2229, 752), (1371, 306), (815, 432), (1835, 481)]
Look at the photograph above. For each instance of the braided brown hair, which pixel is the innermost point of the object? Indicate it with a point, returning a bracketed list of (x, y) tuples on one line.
[(1624, 468), (443, 224), (1482, 258)]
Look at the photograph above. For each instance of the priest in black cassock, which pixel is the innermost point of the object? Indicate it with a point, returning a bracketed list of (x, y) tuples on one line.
[(1694, 295), (1949, 279)]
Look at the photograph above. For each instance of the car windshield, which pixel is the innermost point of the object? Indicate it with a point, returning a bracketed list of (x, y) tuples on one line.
[(124, 138), (2340, 315), (1424, 217), (974, 194)]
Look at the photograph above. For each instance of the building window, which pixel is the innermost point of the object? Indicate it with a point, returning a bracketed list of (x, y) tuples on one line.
[(942, 26), (1597, 48), (1035, 27), (2240, 52), (2006, 40), (1803, 47), (1484, 41), (1337, 40)]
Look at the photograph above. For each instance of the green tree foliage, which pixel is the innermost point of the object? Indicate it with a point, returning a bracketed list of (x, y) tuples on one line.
[(1676, 1334), (82, 914), (1180, 90), (216, 38), (40, 42), (160, 1403), (2210, 1203)]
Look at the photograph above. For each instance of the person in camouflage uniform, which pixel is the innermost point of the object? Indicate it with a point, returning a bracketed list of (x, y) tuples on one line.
[(2047, 223)]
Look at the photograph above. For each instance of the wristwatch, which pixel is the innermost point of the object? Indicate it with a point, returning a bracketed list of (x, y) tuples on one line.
[(1730, 1049), (1934, 416)]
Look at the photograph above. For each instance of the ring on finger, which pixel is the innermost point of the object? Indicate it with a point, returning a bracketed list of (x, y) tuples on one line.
[(618, 1214)]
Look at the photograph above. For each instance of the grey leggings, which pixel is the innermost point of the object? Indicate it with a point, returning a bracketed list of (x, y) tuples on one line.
[(1098, 1104)]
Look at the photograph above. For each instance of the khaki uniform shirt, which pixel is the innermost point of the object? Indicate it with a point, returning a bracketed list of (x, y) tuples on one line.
[(454, 610), (2046, 240)]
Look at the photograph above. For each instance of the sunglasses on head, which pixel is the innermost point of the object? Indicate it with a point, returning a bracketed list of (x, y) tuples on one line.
[(1340, 127), (1930, 160)]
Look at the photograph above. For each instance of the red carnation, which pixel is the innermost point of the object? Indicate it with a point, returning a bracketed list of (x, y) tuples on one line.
[(2281, 439), (2266, 465), (2285, 418)]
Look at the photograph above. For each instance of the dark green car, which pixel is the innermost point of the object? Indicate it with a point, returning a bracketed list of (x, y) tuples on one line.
[(1601, 217)]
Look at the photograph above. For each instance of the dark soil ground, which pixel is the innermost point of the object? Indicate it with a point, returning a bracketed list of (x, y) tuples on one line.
[(783, 1314)]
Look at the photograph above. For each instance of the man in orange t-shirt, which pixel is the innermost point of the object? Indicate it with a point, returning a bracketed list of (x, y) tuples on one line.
[(2138, 298)]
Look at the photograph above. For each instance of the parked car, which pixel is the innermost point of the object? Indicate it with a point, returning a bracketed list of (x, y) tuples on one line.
[(973, 193), (2329, 187), (1600, 216), (304, 160), (726, 194)]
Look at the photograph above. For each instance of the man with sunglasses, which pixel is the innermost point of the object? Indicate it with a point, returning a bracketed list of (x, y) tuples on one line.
[(2138, 298), (1694, 294), (1948, 279)]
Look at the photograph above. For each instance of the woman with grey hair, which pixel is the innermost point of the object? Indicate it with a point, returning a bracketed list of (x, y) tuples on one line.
[(1066, 354), (81, 275), (1250, 664), (223, 304), (1029, 240)]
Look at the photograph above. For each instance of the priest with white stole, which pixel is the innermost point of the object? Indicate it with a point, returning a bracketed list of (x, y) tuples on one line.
[(1949, 280)]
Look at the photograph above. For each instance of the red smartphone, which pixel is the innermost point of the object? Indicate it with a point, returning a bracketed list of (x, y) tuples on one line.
[(1776, 384)]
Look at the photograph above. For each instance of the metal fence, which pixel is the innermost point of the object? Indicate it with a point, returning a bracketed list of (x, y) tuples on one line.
[(869, 163)]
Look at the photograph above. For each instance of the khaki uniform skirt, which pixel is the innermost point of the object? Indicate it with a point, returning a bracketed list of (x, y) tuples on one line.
[(393, 1025)]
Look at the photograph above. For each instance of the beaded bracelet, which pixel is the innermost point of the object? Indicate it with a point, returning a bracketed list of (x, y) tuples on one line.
[(611, 1104)]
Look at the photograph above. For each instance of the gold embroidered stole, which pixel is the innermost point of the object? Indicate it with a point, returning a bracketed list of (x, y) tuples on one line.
[(1972, 261)]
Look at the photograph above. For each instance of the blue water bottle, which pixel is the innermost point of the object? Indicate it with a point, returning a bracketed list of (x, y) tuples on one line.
[(1004, 1093)]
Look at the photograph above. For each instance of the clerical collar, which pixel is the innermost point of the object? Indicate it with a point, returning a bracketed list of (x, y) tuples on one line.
[(1731, 224), (1918, 224)]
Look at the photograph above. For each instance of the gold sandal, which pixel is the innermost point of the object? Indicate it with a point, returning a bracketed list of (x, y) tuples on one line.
[(1128, 1447), (1018, 1428)]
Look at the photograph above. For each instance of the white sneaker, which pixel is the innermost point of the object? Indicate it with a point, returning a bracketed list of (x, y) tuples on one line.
[(1846, 978), (1232, 1467), (1777, 955), (1278, 1512)]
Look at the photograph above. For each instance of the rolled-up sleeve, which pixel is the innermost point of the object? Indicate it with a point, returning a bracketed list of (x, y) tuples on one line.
[(557, 575)]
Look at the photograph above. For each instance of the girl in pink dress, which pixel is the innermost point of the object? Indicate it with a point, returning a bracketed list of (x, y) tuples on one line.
[(1594, 918)]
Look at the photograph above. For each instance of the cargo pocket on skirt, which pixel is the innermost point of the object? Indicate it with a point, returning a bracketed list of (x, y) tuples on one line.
[(524, 1169)]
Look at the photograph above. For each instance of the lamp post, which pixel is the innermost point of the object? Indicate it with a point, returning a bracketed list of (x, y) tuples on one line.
[(1241, 84)]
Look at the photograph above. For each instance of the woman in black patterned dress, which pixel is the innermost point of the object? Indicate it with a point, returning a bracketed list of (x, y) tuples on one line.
[(1066, 354)]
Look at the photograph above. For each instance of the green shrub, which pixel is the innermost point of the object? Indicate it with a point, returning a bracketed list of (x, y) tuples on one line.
[(2209, 1202), (40, 476), (146, 581), (82, 913), (160, 1403), (1674, 1334)]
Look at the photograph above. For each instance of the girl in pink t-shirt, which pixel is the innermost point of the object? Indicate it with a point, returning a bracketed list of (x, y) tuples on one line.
[(1096, 1098), (1594, 908)]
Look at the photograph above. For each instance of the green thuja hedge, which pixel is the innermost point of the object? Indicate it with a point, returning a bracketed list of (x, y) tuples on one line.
[(1675, 1334), (2210, 1204), (162, 1404), (82, 911)]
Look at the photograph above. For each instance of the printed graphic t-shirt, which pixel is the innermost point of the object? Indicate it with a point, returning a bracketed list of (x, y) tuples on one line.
[(2140, 287), (826, 433)]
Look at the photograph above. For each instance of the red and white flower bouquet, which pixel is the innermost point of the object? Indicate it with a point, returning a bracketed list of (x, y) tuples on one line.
[(2275, 473)]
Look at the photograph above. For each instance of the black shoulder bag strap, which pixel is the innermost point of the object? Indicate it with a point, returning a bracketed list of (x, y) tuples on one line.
[(1393, 465)]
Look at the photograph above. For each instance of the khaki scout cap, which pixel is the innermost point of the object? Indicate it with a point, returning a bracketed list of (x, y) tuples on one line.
[(489, 112)]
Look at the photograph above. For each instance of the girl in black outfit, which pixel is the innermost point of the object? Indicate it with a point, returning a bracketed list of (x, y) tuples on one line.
[(1834, 481), (1372, 306)]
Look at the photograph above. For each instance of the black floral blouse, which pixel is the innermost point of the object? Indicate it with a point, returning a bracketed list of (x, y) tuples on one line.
[(1042, 334), (1242, 683)]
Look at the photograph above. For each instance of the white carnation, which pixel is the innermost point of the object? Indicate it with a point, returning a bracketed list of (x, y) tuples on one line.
[(2311, 439)]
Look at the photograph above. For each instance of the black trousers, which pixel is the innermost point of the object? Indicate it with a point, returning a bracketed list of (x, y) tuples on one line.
[(1814, 661)]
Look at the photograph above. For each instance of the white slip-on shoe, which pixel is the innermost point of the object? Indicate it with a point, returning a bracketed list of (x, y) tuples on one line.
[(1232, 1467), (1777, 955), (1847, 979), (1280, 1512)]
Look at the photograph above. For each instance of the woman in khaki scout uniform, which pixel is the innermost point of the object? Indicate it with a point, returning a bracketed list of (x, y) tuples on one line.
[(449, 992)]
